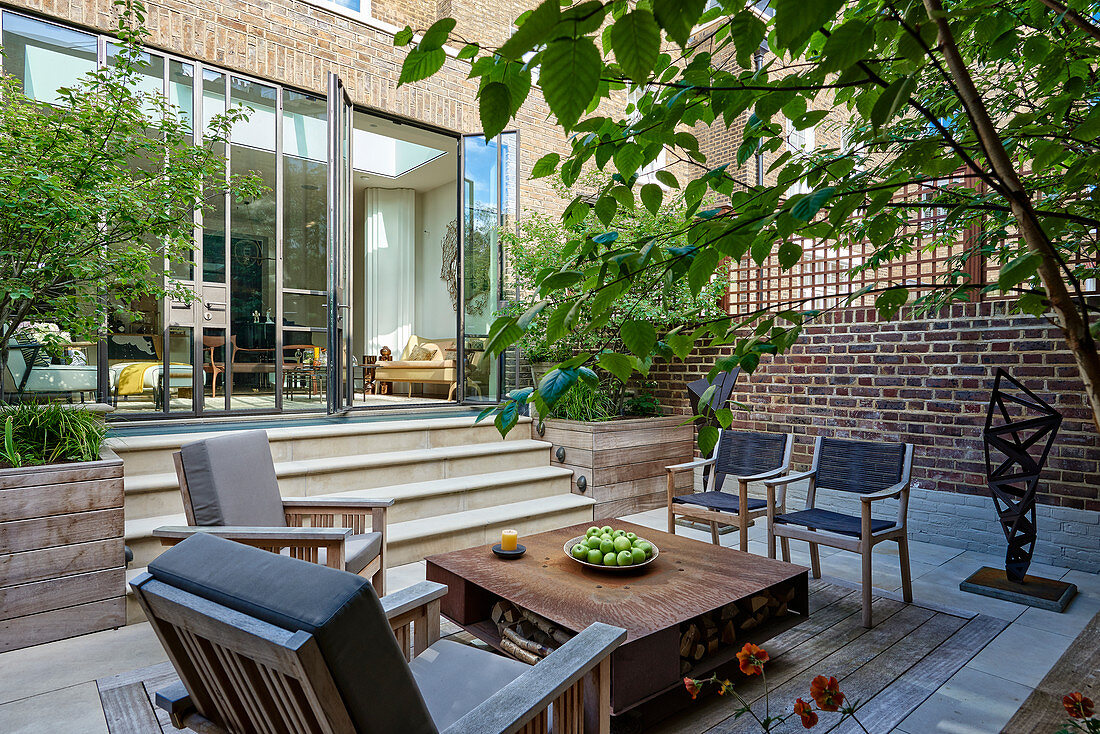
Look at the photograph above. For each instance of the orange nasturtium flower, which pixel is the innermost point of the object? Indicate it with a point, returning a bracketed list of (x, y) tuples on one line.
[(826, 691), (692, 687), (752, 659), (806, 712), (1078, 706)]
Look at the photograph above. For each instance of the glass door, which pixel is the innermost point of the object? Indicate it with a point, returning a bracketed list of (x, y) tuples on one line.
[(490, 173), (340, 365)]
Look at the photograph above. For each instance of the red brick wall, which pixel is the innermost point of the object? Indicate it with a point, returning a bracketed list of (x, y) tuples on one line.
[(919, 380)]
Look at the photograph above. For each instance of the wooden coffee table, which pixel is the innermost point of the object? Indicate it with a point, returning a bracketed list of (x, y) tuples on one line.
[(688, 582)]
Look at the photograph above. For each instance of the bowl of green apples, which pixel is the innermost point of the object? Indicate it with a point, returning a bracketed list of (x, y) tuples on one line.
[(608, 549)]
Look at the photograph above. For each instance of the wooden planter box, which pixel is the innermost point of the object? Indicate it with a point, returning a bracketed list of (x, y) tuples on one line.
[(62, 564), (622, 462)]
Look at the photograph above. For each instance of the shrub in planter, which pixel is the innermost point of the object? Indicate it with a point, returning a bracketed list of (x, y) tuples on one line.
[(49, 434)]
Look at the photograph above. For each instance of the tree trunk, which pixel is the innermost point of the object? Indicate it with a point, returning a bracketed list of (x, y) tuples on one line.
[(1073, 322)]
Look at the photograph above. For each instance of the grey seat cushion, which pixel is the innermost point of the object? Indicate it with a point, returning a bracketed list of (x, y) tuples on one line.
[(719, 501), (339, 609), (359, 550), (455, 678), (231, 480)]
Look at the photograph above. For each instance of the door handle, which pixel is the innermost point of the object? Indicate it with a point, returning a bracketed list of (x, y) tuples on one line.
[(215, 305)]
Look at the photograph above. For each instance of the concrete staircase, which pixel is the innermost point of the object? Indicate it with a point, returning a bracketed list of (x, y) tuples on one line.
[(456, 484)]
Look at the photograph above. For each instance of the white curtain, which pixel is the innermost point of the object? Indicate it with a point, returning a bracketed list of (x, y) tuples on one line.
[(390, 268)]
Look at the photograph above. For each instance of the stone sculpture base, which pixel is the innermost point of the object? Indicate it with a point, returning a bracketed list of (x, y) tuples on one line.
[(1035, 591)]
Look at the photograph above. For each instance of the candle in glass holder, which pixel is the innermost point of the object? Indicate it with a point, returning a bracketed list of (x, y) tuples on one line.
[(509, 539)]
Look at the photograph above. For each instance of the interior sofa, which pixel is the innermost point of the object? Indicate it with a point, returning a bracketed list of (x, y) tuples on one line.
[(438, 365)]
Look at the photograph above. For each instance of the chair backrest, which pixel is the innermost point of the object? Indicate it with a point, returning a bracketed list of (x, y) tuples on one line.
[(745, 453), (263, 642), (230, 480), (860, 466), (16, 368)]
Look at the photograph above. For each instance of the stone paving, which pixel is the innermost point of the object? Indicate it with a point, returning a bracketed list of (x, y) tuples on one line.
[(50, 689)]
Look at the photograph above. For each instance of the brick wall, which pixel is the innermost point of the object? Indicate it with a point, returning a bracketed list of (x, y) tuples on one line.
[(919, 380)]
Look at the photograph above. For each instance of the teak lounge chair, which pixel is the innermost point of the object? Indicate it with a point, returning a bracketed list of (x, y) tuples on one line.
[(267, 643), (873, 471), (744, 457), (230, 489)]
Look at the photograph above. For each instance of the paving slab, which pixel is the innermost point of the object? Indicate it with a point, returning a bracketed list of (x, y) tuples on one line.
[(73, 710), (971, 702), (1021, 654)]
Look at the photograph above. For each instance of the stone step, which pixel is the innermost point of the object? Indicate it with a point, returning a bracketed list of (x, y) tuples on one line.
[(413, 540), (152, 495), (153, 454)]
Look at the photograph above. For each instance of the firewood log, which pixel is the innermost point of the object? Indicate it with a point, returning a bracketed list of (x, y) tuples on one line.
[(519, 653), (729, 633), (687, 640), (555, 633), (526, 644)]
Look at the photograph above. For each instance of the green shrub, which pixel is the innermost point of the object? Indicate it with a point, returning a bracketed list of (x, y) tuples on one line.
[(582, 402), (36, 434)]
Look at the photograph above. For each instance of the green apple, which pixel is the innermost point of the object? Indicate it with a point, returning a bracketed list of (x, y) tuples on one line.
[(631, 537), (638, 554), (606, 529), (610, 559), (595, 556), (625, 558), (607, 546), (592, 531), (621, 544), (580, 551)]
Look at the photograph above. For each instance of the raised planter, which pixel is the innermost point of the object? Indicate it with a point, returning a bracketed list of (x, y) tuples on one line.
[(62, 565), (620, 463)]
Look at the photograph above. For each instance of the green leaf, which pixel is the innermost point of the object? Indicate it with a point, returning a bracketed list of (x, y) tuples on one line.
[(530, 314), (469, 51), (554, 384), (495, 103), (545, 166), (678, 17), (639, 337), (1017, 271), (485, 414), (892, 99), (668, 179), (681, 344), (420, 64), (534, 30), (846, 45), (890, 302), (789, 254), (651, 195), (619, 365), (576, 212), (702, 268), (503, 334), (403, 37), (724, 416), (437, 34), (606, 206), (708, 439), (570, 77), (809, 205), (560, 281), (636, 40), (628, 159), (796, 20), (507, 418)]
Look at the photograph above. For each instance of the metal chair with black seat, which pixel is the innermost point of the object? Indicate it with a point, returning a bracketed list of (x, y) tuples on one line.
[(873, 471)]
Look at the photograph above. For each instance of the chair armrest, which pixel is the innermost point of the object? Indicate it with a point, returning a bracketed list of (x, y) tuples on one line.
[(688, 466), (337, 504), (884, 494), (790, 478), (518, 702), (770, 474), (258, 535), (410, 598)]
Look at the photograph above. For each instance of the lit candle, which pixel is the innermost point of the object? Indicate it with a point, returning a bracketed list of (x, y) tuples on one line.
[(509, 539)]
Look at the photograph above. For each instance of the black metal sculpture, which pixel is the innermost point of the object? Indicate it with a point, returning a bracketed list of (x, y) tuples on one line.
[(1016, 425), (719, 398)]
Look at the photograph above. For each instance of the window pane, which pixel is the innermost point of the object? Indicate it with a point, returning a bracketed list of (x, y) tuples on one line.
[(305, 192), (482, 222), (181, 84), (258, 131), (150, 82), (305, 126), (45, 57), (213, 216)]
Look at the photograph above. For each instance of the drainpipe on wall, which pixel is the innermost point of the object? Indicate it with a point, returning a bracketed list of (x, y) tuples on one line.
[(758, 64)]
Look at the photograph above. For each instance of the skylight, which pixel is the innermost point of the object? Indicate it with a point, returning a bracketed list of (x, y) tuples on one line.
[(387, 156)]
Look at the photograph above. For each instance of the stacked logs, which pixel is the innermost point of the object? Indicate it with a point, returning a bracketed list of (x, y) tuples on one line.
[(705, 635), (525, 635)]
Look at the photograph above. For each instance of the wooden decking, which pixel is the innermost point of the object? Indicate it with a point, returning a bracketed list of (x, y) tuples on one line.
[(891, 669)]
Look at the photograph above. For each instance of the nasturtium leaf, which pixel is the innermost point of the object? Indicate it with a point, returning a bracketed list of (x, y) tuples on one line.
[(494, 104), (678, 17), (570, 77), (652, 194), (534, 30), (847, 44), (639, 337), (545, 166), (619, 365), (403, 37), (636, 40)]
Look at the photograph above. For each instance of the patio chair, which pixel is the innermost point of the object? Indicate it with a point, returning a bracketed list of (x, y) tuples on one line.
[(873, 471), (744, 457), (230, 489), (266, 643)]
